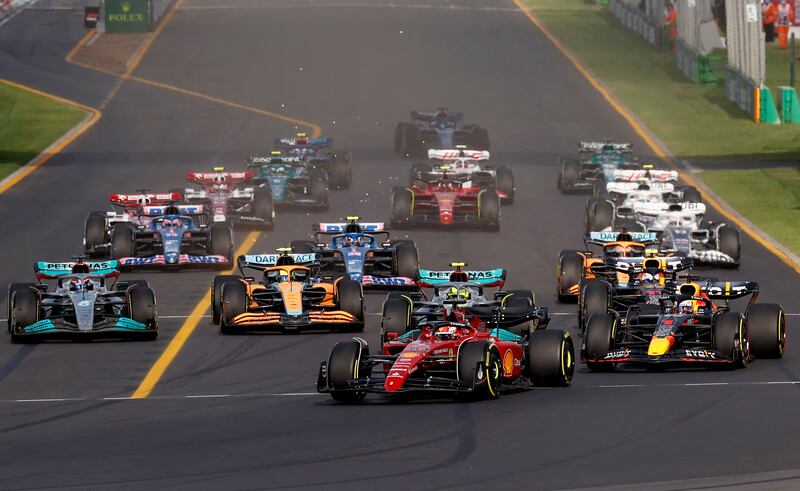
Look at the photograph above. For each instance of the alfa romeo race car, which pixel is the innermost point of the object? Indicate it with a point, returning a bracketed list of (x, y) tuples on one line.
[(176, 236), (689, 327), (470, 164), (440, 129), (594, 166), (319, 153), (231, 197), (290, 296), (291, 180), (445, 199), (133, 209), (362, 252), (81, 305)]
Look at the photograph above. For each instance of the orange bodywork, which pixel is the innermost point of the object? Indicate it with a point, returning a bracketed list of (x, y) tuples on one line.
[(618, 249)]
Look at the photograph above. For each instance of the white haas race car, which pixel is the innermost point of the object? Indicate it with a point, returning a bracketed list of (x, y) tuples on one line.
[(472, 163), (231, 197)]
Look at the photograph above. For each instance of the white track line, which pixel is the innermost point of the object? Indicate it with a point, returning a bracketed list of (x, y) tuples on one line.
[(450, 8)]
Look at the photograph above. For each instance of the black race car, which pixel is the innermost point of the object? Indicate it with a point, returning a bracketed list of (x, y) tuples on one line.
[(441, 129)]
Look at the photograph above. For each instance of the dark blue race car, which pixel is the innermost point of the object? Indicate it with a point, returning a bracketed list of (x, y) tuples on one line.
[(319, 154), (364, 253), (292, 181), (441, 129), (594, 166)]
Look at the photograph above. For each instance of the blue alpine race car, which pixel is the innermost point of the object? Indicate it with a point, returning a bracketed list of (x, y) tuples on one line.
[(364, 253), (291, 180), (441, 129), (319, 154), (594, 166)]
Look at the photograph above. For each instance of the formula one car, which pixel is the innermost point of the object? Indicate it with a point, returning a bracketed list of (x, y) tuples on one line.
[(688, 328), (133, 209), (594, 166), (442, 198), (469, 163), (318, 153), (363, 252), (82, 305), (290, 297), (291, 180), (439, 129), (176, 236), (231, 197), (460, 296)]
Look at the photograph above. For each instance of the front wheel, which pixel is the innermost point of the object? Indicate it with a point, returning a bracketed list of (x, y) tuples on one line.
[(406, 261), (339, 171), (350, 298), (122, 241), (551, 358), (396, 316), (402, 207), (729, 243), (730, 338), (599, 342), (221, 240), (568, 276), (216, 294), (505, 184), (263, 206), (234, 303), (766, 324), (142, 308), (489, 209), (344, 366), (478, 366)]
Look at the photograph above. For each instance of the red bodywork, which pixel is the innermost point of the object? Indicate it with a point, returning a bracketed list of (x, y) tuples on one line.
[(219, 187), (135, 205), (447, 198)]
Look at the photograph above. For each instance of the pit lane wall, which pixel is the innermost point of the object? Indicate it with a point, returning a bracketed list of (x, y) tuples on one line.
[(134, 15), (645, 22)]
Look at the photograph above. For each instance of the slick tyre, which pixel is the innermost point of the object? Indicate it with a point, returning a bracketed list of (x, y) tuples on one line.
[(569, 272), (216, 294), (396, 316), (344, 365), (142, 308), (766, 325), (480, 140), (478, 366), (505, 184), (406, 261), (221, 240), (692, 195), (489, 210), (24, 311), (599, 341), (402, 207), (339, 171), (350, 298), (13, 288), (318, 188), (595, 298), (122, 241), (302, 246), (263, 206), (399, 137), (411, 145), (550, 358), (729, 242), (730, 338), (519, 304), (234, 301), (568, 175), (600, 216), (94, 233)]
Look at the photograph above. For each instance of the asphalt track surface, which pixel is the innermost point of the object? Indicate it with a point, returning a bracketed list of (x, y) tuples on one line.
[(240, 412)]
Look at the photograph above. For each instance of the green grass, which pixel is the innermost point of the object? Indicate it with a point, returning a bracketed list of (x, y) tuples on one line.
[(29, 123)]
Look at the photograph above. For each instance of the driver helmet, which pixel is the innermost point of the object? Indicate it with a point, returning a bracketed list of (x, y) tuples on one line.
[(688, 307), (347, 242), (75, 285), (172, 210), (454, 293), (446, 332)]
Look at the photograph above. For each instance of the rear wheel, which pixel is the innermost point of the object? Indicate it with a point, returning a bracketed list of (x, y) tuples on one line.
[(216, 294), (23, 311), (568, 275), (692, 195), (481, 139), (350, 298), (728, 242), (142, 308), (234, 303), (303, 246), (569, 174), (263, 206), (406, 261), (595, 298), (730, 338), (766, 325), (599, 341), (221, 240), (339, 171), (399, 136), (402, 207), (395, 316), (344, 366), (410, 146), (122, 241), (600, 216), (505, 183), (95, 231), (12, 289), (318, 188), (551, 358), (489, 209), (418, 169), (478, 365)]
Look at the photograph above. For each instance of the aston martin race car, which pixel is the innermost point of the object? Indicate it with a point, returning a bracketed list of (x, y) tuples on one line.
[(440, 129), (133, 209), (445, 199), (594, 166), (460, 296), (177, 236), (289, 297), (363, 252), (231, 197), (81, 305), (447, 358), (472, 164), (319, 153), (692, 326), (292, 181)]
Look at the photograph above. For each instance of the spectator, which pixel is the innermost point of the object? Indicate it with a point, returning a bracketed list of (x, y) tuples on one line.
[(785, 20), (769, 15), (671, 23)]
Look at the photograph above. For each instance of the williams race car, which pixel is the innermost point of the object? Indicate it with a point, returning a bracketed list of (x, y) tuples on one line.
[(441, 129), (289, 297), (594, 166), (363, 252), (81, 305), (319, 153), (691, 326), (470, 164), (292, 181), (231, 197)]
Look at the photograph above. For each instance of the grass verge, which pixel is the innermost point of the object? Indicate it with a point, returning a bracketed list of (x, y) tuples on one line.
[(29, 123)]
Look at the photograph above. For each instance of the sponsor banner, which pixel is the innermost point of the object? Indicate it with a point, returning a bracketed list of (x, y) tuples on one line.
[(378, 281), (272, 259), (127, 15), (612, 236), (183, 259)]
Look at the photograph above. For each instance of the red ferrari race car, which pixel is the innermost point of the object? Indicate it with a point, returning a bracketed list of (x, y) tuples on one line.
[(444, 198), (231, 197)]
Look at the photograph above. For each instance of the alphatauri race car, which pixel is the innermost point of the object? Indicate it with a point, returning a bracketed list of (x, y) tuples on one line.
[(440, 129), (318, 153), (292, 181), (594, 166), (82, 304), (231, 197)]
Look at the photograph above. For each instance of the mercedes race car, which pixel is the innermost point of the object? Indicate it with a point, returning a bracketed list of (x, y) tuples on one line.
[(443, 198), (594, 166), (691, 326), (470, 164), (132, 209), (81, 305), (290, 296), (319, 153), (441, 129), (292, 181), (363, 252), (176, 236), (231, 197)]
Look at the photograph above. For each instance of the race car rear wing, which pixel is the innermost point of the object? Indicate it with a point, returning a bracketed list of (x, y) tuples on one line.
[(158, 210), (302, 140), (458, 153), (143, 198), (260, 161), (339, 228), (730, 290), (46, 270), (602, 238), (487, 278), (263, 261), (651, 175), (627, 187), (207, 178), (671, 265), (607, 145), (428, 116)]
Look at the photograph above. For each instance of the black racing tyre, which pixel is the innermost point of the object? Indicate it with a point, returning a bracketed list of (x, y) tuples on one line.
[(568, 174), (691, 195), (234, 300), (410, 145), (221, 240), (23, 311), (344, 365), (216, 294), (318, 187), (399, 136), (518, 303), (569, 272), (12, 289), (730, 338), (594, 298), (132, 283), (478, 365), (481, 139), (418, 169), (489, 209), (550, 358), (728, 242), (122, 241), (396, 315), (518, 299), (303, 246), (600, 216), (263, 206), (402, 207), (339, 171), (599, 341), (766, 325), (406, 261), (350, 298), (94, 233), (504, 179), (142, 307)]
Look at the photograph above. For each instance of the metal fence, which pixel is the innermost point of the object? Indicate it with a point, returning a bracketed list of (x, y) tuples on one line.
[(645, 22), (157, 10), (745, 39)]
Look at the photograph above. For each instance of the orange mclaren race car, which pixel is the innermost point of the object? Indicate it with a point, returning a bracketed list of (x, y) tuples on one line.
[(289, 296)]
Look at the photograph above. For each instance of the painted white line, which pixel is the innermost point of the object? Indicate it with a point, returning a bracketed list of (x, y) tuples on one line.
[(296, 394), (208, 396), (706, 384), (116, 399), (620, 386), (227, 6), (45, 400), (17, 10)]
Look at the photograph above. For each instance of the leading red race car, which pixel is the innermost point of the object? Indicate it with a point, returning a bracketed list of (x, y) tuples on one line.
[(231, 197)]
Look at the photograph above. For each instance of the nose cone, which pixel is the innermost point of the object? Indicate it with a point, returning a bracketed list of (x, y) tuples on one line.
[(660, 346), (171, 257), (446, 218)]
